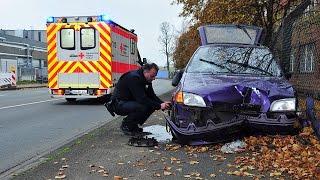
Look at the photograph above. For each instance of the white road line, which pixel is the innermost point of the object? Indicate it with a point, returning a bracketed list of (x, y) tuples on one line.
[(19, 105)]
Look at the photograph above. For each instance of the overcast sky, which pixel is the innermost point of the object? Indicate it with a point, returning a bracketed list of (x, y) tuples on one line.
[(145, 16)]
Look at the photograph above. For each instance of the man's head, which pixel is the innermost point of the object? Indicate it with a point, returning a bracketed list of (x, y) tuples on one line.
[(150, 71)]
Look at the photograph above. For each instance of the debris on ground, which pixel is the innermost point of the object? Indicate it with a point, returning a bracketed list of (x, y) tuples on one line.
[(234, 147), (142, 141)]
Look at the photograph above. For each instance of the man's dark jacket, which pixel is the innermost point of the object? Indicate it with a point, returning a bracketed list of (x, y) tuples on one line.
[(133, 86)]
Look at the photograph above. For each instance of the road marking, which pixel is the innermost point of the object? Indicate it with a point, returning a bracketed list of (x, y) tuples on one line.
[(19, 105)]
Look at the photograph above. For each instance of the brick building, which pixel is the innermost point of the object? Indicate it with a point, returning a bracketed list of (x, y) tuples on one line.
[(298, 46), (305, 51)]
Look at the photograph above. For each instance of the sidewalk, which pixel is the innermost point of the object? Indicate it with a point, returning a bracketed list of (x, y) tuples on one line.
[(104, 154)]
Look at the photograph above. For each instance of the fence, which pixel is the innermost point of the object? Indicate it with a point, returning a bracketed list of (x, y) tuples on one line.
[(33, 74), (297, 47)]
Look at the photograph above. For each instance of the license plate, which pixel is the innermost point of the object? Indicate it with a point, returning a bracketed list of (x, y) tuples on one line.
[(78, 91)]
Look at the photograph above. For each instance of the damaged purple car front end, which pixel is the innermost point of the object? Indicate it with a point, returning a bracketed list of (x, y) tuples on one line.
[(228, 88), (233, 104)]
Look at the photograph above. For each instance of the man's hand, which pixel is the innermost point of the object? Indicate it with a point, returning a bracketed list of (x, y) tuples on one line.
[(165, 105)]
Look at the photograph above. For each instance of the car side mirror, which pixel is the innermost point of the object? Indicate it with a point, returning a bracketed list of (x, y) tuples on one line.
[(176, 78)]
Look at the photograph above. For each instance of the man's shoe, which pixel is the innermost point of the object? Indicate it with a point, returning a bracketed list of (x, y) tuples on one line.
[(138, 129), (109, 108), (127, 131)]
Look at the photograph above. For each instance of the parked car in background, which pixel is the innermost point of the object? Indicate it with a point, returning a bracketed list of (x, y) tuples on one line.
[(231, 83)]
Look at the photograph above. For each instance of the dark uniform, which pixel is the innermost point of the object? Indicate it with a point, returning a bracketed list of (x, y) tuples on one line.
[(134, 97)]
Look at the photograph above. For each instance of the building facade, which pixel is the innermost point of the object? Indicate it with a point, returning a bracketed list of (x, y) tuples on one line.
[(304, 62), (25, 52)]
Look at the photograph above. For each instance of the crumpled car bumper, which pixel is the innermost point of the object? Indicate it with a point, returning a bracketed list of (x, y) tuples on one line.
[(280, 125), (214, 133)]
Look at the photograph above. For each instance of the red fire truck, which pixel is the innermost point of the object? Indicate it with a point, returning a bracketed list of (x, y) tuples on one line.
[(87, 55)]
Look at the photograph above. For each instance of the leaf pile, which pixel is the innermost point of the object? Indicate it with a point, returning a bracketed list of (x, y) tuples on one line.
[(297, 156)]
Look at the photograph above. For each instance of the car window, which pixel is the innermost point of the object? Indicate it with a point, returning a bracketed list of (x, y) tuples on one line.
[(234, 60)]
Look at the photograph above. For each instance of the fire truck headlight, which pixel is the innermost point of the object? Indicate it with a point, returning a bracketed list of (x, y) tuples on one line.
[(105, 17), (50, 20)]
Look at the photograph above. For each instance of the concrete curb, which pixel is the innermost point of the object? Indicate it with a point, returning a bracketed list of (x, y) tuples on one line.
[(23, 87)]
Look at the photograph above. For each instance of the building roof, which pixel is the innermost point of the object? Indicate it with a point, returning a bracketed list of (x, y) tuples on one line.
[(15, 39)]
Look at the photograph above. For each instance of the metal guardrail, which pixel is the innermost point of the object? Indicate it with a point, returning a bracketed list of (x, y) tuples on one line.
[(8, 80)]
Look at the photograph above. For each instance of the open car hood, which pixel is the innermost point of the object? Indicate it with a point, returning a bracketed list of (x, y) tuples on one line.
[(230, 34), (237, 89)]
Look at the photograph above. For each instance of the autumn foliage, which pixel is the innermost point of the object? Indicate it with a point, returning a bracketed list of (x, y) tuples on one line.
[(264, 13)]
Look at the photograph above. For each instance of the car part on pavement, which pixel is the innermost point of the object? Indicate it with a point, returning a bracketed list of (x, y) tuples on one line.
[(142, 141)]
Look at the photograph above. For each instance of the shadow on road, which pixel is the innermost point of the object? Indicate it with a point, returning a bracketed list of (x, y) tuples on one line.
[(82, 102)]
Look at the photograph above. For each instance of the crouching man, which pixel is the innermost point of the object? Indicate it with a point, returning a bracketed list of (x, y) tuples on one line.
[(134, 98)]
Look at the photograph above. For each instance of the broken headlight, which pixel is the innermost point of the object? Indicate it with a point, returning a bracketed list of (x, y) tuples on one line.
[(288, 104), (193, 100)]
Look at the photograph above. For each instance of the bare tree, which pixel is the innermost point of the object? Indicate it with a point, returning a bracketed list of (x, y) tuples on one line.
[(166, 40)]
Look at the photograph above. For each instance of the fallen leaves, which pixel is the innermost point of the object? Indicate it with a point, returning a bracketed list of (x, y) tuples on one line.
[(61, 172), (172, 147), (193, 175), (117, 178), (99, 169), (275, 174), (65, 166), (167, 173), (240, 173), (218, 157), (193, 162), (298, 156), (60, 176)]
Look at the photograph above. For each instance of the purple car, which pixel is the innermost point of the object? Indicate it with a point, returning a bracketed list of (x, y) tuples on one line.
[(231, 84)]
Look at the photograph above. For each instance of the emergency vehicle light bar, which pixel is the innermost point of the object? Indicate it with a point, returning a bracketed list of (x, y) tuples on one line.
[(104, 18), (83, 19), (50, 20)]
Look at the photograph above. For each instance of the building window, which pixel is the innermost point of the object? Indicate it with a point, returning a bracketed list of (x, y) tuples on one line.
[(292, 59), (307, 55), (313, 3), (39, 36)]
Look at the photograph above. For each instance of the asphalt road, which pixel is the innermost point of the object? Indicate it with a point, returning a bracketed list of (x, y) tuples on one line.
[(33, 124)]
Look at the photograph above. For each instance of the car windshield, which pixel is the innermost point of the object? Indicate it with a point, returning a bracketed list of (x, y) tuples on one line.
[(234, 60)]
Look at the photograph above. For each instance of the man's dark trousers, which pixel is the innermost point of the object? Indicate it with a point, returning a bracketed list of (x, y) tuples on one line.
[(137, 113)]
